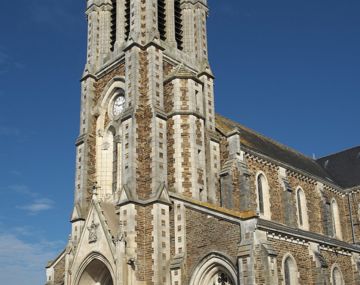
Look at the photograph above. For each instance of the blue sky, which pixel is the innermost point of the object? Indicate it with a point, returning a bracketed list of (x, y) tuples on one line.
[(288, 69)]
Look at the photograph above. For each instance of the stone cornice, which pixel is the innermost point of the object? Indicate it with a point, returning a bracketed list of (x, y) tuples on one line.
[(214, 210), (337, 188), (294, 233)]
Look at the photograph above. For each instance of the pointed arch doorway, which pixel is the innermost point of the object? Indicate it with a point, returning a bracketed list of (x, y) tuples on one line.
[(96, 273), (214, 269)]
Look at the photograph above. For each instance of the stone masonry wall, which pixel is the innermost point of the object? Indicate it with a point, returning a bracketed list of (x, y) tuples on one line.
[(186, 154), (99, 86), (102, 83), (355, 207), (59, 272), (313, 200), (143, 117), (206, 234), (275, 189), (144, 251), (301, 254), (343, 262), (343, 212)]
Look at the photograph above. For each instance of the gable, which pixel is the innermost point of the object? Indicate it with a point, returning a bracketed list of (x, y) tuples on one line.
[(96, 236)]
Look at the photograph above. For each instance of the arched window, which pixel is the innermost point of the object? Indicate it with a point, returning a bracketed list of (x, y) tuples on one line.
[(263, 199), (336, 220), (127, 19), (302, 209), (290, 271), (113, 24), (178, 24), (214, 270), (336, 277), (162, 19)]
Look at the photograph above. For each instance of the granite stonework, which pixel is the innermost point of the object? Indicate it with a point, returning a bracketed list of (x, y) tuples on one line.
[(167, 192)]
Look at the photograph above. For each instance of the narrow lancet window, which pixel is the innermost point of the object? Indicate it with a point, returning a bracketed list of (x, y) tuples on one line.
[(127, 19), (178, 25), (337, 278), (260, 189), (300, 214), (336, 223), (162, 19), (113, 25), (290, 271)]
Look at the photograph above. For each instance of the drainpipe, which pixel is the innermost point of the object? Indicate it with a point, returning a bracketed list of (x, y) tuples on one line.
[(351, 219)]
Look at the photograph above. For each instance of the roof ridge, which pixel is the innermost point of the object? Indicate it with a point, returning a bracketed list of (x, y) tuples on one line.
[(270, 139), (338, 152)]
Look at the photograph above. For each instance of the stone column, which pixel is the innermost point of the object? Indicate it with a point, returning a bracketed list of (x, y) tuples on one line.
[(246, 260), (105, 29), (288, 199), (170, 23), (85, 146), (209, 102), (151, 13), (135, 20), (121, 261), (120, 23), (200, 13), (188, 28), (92, 49), (161, 244)]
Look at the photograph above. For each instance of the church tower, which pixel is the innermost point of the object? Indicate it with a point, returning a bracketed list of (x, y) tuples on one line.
[(147, 82), (167, 195), (147, 131)]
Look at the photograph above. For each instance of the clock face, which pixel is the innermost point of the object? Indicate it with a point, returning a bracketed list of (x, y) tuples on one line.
[(119, 105)]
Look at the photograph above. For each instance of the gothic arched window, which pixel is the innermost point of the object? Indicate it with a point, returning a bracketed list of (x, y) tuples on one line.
[(290, 271), (127, 19), (178, 24), (214, 270), (113, 24), (337, 278), (336, 223), (162, 19), (263, 199), (302, 209)]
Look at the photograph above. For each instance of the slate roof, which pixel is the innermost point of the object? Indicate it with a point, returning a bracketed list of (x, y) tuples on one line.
[(270, 148), (343, 166)]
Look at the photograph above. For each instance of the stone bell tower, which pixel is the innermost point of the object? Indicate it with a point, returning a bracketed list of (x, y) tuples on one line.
[(163, 196), (150, 59), (146, 131)]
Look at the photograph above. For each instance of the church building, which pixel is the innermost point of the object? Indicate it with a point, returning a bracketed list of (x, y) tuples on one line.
[(167, 192)]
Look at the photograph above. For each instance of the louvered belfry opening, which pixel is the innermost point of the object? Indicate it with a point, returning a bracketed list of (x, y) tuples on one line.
[(113, 25), (178, 25), (127, 19), (162, 19)]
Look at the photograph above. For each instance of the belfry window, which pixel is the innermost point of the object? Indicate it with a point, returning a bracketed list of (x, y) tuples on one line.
[(127, 19), (178, 25), (162, 19), (113, 25)]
